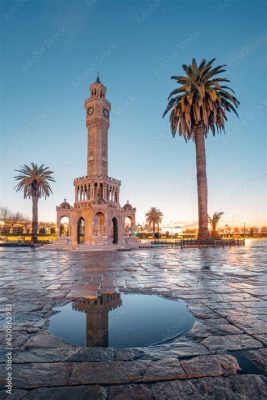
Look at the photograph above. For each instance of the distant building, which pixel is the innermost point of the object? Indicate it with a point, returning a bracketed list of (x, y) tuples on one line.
[(24, 227)]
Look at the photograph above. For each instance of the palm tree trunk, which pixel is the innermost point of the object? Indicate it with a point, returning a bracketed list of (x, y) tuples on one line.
[(202, 186), (34, 218), (215, 229)]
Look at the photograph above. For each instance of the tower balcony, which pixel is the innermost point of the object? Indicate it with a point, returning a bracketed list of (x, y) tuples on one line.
[(96, 190), (87, 178)]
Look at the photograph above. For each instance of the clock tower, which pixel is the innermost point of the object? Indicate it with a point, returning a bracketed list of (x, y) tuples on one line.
[(97, 218), (97, 122)]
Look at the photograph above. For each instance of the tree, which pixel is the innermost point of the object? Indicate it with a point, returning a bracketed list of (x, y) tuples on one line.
[(34, 181), (5, 213), (199, 104), (214, 220), (14, 218), (8, 215), (154, 217), (252, 230), (17, 216)]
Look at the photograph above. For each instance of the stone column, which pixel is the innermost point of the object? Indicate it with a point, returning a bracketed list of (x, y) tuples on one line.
[(73, 230), (87, 226), (58, 225)]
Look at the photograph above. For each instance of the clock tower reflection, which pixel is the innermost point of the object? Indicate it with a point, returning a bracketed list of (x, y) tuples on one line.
[(96, 310)]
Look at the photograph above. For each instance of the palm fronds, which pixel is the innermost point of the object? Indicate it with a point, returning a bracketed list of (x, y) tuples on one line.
[(214, 220), (154, 216), (34, 180), (201, 99)]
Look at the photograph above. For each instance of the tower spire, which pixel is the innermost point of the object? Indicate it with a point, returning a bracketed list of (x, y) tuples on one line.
[(98, 79)]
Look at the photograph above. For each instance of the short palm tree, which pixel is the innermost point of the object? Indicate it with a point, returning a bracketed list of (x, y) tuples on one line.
[(154, 217), (214, 220), (200, 103), (35, 183)]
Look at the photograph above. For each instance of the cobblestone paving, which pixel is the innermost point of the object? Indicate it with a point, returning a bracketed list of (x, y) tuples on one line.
[(225, 289)]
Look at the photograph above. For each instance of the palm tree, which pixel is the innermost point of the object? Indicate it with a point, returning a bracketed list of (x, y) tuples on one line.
[(214, 220), (200, 103), (35, 183), (154, 217)]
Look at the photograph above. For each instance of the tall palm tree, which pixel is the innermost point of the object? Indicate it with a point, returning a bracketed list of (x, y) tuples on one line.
[(154, 217), (35, 183), (200, 103), (214, 220)]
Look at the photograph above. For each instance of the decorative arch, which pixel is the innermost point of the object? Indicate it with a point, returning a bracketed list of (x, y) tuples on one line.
[(80, 230), (95, 191), (128, 224), (99, 224), (100, 191), (115, 236), (64, 226)]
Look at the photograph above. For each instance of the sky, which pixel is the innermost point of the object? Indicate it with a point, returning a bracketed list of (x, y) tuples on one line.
[(51, 51)]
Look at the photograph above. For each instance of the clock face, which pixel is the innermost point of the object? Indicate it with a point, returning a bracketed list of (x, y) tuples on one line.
[(90, 111), (105, 112)]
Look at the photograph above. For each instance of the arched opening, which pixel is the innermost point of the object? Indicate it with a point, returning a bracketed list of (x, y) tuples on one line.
[(64, 227), (18, 229), (99, 224), (95, 191), (80, 231), (128, 225), (100, 196), (114, 230), (6, 229)]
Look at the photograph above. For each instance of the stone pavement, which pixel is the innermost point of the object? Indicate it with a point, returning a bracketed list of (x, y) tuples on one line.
[(225, 289)]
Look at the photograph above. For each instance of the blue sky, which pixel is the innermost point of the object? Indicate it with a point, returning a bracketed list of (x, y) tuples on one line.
[(51, 52)]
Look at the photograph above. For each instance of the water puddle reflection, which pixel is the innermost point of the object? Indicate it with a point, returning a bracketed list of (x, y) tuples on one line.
[(121, 320)]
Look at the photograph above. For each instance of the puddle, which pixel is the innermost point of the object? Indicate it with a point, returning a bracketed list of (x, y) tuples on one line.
[(246, 365), (121, 320)]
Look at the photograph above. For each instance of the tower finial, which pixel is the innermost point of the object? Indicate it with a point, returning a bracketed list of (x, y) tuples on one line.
[(98, 79)]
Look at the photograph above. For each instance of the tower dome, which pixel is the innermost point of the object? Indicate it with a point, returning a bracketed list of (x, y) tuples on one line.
[(97, 89), (64, 205), (128, 206)]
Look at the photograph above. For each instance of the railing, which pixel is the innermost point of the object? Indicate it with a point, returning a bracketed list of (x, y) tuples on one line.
[(198, 243)]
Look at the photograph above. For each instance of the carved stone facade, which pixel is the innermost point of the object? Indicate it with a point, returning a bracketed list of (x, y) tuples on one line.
[(96, 218)]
